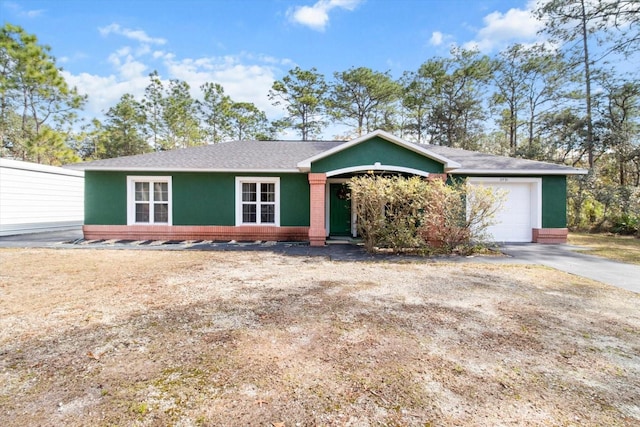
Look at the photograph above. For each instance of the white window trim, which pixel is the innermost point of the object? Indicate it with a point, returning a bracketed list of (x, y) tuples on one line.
[(131, 196), (257, 180)]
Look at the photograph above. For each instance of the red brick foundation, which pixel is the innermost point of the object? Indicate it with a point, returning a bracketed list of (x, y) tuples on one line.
[(550, 235), (188, 232)]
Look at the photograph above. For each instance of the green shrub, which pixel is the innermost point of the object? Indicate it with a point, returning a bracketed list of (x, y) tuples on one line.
[(388, 210), (597, 204), (419, 215), (626, 224)]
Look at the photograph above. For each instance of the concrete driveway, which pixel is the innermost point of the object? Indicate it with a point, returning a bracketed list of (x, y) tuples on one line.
[(567, 258), (41, 240), (572, 259)]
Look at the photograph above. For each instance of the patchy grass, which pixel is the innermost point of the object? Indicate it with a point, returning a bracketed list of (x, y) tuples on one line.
[(617, 248), (100, 337)]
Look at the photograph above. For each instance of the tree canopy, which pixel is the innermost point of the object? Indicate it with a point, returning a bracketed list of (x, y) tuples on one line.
[(565, 101), (37, 107), (303, 94)]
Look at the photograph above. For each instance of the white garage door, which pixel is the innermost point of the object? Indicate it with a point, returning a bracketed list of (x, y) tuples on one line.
[(519, 213)]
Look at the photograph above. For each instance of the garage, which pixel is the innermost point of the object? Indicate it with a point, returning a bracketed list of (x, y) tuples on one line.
[(521, 211)]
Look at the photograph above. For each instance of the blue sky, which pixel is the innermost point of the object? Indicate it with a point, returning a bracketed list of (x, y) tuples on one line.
[(108, 48)]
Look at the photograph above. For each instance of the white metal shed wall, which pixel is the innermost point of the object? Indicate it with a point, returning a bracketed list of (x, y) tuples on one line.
[(36, 197)]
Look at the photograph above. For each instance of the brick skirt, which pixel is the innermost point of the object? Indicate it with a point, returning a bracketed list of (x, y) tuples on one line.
[(195, 232)]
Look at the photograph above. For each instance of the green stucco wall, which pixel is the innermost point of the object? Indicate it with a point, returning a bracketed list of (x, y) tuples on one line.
[(203, 199), (554, 201), (105, 198), (198, 198), (294, 200), (377, 150)]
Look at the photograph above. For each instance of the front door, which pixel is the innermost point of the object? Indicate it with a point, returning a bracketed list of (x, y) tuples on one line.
[(339, 210)]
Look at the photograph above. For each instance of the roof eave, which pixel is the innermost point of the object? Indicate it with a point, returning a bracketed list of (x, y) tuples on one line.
[(164, 169), (519, 172), (37, 167)]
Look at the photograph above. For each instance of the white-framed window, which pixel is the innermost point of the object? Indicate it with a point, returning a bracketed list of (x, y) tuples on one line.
[(149, 200), (257, 201)]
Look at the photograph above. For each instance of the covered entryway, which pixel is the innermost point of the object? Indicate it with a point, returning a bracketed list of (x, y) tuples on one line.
[(340, 218), (374, 153), (521, 211)]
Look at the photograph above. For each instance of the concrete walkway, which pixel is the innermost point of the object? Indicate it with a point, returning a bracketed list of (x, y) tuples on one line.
[(567, 258)]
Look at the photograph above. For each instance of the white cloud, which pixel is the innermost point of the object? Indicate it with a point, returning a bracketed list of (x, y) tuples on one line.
[(68, 59), (143, 49), (436, 38), (243, 80), (130, 75), (316, 17), (116, 57), (246, 77), (132, 69), (20, 11), (34, 13), (441, 40), (137, 35), (500, 29), (104, 91)]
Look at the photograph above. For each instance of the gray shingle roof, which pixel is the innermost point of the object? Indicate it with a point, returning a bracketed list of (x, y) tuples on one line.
[(474, 162), (233, 156), (284, 156)]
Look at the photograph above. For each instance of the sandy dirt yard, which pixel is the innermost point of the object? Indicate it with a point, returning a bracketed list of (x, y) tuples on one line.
[(152, 338)]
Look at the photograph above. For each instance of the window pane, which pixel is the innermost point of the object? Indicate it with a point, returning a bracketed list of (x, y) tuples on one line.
[(268, 214), (142, 191), (161, 212), (249, 192), (142, 212), (160, 191), (249, 213), (267, 192)]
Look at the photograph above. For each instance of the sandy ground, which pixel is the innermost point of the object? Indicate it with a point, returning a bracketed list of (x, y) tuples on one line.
[(151, 338)]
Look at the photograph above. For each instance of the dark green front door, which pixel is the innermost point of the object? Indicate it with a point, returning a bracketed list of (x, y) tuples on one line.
[(339, 210)]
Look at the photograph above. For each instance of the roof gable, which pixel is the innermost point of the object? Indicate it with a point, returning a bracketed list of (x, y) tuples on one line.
[(376, 154), (305, 165)]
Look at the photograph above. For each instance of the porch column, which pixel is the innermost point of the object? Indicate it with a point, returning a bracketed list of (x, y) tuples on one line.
[(435, 176), (317, 232)]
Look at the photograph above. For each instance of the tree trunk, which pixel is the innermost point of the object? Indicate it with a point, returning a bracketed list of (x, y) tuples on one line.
[(587, 76), (513, 144)]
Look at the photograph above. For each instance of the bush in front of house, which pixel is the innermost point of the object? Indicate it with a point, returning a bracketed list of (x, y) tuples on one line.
[(388, 211), (422, 216)]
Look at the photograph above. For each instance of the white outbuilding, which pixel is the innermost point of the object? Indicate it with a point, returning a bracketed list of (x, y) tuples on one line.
[(36, 198)]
